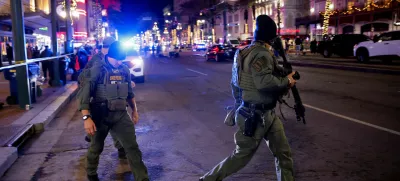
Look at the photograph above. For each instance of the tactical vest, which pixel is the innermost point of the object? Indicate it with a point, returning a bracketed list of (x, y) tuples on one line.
[(243, 78), (241, 71), (113, 90)]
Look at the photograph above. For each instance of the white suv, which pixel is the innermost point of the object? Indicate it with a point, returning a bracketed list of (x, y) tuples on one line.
[(385, 46), (135, 64)]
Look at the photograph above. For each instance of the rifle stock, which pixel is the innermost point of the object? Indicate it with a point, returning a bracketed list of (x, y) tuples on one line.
[(298, 107)]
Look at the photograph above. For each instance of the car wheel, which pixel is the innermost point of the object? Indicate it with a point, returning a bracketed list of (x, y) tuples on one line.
[(327, 53), (362, 56), (139, 79)]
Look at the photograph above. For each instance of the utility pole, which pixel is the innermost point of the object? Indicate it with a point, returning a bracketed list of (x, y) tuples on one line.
[(225, 24), (68, 32), (279, 17), (18, 31), (56, 63)]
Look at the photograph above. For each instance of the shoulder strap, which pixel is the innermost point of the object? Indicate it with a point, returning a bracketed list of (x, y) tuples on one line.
[(106, 75)]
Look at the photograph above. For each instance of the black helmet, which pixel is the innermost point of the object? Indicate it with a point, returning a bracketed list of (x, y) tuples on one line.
[(116, 51), (265, 28)]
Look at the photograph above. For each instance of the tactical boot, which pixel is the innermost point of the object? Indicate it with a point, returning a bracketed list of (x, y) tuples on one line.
[(93, 178), (87, 139), (121, 153)]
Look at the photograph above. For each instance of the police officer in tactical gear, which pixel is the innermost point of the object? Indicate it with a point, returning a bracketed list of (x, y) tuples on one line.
[(99, 58), (257, 85), (109, 86)]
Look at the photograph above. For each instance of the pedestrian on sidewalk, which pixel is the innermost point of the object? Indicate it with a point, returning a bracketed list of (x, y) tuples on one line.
[(46, 64), (10, 53), (109, 86), (313, 46), (99, 59), (298, 42), (256, 94)]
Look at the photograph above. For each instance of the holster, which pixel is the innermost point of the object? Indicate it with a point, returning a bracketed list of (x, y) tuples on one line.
[(99, 112), (251, 122)]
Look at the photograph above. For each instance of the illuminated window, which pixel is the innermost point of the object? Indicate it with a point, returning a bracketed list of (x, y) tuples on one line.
[(43, 5)]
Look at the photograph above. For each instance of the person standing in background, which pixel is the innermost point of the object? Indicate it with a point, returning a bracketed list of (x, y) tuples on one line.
[(46, 65), (10, 54)]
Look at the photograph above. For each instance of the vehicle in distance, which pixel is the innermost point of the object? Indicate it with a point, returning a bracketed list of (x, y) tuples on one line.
[(385, 46)]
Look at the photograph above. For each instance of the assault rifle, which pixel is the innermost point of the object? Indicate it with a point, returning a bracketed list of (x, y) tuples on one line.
[(298, 107)]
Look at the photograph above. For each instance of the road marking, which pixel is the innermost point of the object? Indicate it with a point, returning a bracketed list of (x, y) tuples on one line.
[(354, 120), (197, 72)]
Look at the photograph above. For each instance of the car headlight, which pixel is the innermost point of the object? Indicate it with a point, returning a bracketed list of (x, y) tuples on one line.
[(137, 61)]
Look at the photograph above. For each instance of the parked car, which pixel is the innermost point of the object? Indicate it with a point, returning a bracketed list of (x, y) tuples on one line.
[(217, 53), (135, 64), (385, 46), (244, 43), (230, 52), (234, 42), (341, 45), (200, 47)]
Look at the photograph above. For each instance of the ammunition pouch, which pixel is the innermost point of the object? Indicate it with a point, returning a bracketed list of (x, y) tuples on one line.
[(230, 116), (116, 105)]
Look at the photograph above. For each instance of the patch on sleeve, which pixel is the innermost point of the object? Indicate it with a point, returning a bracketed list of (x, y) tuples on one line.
[(259, 64)]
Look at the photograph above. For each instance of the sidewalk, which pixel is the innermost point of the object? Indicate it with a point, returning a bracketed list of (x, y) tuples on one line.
[(316, 60), (17, 125)]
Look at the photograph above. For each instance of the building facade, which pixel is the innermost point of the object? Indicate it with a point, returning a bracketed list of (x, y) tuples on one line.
[(37, 23), (239, 28), (289, 10), (369, 17)]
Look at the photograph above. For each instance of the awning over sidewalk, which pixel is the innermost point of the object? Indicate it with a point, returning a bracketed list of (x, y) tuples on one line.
[(33, 20)]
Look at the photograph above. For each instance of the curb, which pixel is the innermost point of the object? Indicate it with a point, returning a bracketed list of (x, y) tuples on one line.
[(50, 112), (8, 155), (350, 68)]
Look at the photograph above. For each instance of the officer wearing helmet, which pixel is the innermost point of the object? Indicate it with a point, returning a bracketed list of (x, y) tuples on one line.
[(98, 58), (108, 84), (256, 86)]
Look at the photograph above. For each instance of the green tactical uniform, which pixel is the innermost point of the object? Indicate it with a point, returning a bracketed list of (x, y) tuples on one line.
[(254, 81), (110, 88), (98, 59)]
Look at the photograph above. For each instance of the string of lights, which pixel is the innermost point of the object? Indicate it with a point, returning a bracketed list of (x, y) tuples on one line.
[(327, 14), (329, 11), (365, 8)]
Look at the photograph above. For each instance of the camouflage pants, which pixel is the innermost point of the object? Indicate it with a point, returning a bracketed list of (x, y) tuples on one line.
[(272, 132)]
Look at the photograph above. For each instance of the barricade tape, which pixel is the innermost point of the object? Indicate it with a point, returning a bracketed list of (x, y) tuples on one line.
[(21, 62)]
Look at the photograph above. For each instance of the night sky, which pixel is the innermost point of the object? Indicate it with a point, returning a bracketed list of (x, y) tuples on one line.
[(132, 9)]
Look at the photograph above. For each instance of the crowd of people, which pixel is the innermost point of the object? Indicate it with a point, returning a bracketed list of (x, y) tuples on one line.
[(301, 45)]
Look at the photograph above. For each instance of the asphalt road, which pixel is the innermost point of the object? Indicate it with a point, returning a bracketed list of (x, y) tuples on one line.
[(352, 130)]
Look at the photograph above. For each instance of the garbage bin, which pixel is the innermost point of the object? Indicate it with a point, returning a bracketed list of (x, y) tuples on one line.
[(33, 73), (11, 75), (63, 68)]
